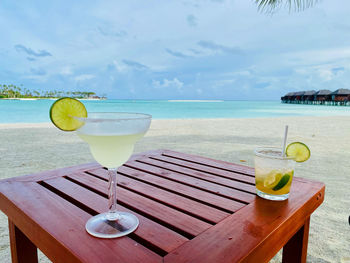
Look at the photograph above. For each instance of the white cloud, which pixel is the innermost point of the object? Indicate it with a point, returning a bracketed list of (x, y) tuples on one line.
[(84, 77), (120, 67), (224, 82), (245, 73), (168, 84), (325, 74), (66, 71), (317, 56)]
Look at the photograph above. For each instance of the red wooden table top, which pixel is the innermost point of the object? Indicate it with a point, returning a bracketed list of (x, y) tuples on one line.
[(191, 209)]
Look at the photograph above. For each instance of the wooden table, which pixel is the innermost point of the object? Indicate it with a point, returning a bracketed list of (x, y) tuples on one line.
[(191, 209)]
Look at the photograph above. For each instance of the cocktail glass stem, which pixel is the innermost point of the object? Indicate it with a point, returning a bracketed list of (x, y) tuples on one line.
[(112, 223), (112, 195)]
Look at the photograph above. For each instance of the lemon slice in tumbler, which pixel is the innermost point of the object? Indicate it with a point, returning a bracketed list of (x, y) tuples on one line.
[(62, 112), (299, 151), (272, 179)]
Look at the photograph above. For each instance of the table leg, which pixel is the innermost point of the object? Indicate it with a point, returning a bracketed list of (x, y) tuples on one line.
[(22, 249), (295, 251)]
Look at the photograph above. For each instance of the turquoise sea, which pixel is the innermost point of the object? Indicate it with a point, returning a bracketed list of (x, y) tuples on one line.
[(34, 111)]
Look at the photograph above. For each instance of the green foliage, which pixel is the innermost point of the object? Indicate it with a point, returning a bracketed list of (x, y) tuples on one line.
[(13, 91), (271, 6)]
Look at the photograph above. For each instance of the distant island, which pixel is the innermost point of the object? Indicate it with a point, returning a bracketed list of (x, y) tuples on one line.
[(15, 92), (340, 97)]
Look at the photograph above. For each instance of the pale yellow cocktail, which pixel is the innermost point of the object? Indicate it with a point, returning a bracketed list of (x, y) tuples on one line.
[(273, 173), (274, 182), (111, 150)]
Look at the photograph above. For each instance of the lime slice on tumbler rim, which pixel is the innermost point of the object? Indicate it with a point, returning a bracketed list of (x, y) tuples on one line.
[(299, 151), (63, 111)]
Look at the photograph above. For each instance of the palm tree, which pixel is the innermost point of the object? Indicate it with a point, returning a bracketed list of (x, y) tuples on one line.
[(270, 6), (5, 90), (37, 94)]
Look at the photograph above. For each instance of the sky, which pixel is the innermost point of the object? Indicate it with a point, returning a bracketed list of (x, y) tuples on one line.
[(198, 49)]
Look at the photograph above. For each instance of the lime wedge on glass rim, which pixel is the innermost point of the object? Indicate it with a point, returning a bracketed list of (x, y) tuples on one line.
[(63, 111), (299, 151)]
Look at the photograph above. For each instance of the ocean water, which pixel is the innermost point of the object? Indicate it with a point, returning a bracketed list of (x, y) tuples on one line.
[(35, 111)]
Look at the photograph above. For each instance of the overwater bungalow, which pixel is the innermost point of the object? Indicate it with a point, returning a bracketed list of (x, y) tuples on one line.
[(322, 96), (288, 98), (298, 97), (339, 97), (309, 96)]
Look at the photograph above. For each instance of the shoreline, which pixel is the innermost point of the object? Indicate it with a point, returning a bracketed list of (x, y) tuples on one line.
[(26, 99), (50, 125), (19, 125)]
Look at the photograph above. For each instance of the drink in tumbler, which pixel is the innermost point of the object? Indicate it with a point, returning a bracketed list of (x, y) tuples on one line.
[(273, 173)]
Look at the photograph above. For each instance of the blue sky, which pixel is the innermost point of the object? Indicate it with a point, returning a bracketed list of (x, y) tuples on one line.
[(222, 49)]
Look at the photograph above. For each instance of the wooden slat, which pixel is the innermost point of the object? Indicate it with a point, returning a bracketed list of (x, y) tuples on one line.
[(176, 201), (53, 173), (200, 175), (58, 227), (101, 173), (194, 182), (207, 169), (182, 222), (179, 202), (193, 193), (211, 162), (148, 230), (255, 233)]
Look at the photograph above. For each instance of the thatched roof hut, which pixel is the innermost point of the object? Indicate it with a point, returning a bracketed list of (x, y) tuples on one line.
[(340, 95), (289, 94), (323, 95), (341, 92), (323, 92), (299, 95), (309, 95)]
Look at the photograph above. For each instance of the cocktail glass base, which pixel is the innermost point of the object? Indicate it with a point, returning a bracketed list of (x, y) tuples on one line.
[(100, 226), (272, 197)]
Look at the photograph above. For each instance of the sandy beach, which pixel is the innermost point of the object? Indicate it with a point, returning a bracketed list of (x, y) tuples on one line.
[(30, 148)]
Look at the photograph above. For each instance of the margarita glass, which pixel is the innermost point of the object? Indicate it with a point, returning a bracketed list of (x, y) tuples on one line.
[(111, 137)]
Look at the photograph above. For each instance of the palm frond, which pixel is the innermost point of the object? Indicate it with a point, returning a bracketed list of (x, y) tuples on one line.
[(271, 6)]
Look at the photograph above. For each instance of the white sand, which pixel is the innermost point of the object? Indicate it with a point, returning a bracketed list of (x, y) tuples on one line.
[(30, 148)]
